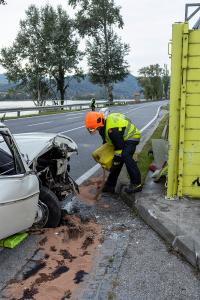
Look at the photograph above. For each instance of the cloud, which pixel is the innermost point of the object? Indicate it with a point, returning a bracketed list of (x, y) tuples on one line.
[(147, 27)]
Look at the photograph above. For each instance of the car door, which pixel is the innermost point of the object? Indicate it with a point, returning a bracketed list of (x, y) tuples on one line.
[(19, 189)]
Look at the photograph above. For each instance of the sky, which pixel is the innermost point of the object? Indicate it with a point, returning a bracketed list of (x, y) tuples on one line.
[(147, 26)]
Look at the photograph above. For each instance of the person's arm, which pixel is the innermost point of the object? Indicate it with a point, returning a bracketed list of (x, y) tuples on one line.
[(102, 134), (117, 139)]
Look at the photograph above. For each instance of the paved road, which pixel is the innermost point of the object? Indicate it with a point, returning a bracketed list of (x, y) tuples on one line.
[(72, 124)]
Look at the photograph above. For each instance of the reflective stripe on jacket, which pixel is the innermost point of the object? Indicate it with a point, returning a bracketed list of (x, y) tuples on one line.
[(120, 121)]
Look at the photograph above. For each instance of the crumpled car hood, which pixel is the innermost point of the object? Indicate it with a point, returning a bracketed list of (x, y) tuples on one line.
[(34, 144)]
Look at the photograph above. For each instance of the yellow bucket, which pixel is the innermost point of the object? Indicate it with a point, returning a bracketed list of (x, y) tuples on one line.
[(104, 156)]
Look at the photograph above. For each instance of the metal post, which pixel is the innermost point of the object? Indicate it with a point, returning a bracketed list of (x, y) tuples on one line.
[(174, 113), (187, 16)]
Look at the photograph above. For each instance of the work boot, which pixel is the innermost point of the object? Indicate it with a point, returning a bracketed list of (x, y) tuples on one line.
[(133, 188), (108, 189)]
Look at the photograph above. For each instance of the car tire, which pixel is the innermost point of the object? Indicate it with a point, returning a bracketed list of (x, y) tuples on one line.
[(51, 201)]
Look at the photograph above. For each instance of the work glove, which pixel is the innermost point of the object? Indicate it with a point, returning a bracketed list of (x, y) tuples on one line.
[(117, 160)]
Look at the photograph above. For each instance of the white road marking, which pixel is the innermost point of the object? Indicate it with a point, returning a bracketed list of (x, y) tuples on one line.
[(88, 174), (137, 108), (53, 121), (94, 169), (73, 118), (36, 124), (148, 124), (73, 129), (44, 116), (62, 132)]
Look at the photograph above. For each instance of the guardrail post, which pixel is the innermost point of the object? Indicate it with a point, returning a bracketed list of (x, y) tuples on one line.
[(40, 109)]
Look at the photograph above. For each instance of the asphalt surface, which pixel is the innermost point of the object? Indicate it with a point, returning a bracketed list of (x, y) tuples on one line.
[(72, 124), (134, 263), (143, 266)]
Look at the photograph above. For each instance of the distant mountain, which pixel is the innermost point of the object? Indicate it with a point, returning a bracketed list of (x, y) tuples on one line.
[(4, 84), (85, 89)]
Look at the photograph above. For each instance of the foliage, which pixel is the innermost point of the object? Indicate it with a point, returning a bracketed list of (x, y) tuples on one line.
[(39, 89), (144, 160), (3, 2), (105, 50), (166, 82), (106, 61), (95, 15), (45, 48), (154, 81)]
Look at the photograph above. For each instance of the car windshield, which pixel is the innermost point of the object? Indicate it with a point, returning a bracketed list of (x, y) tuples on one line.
[(10, 161)]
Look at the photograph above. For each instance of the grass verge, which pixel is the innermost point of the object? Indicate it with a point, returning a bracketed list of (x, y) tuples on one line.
[(144, 160)]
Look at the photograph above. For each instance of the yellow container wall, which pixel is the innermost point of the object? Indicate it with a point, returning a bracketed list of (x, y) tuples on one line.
[(186, 178), (191, 162)]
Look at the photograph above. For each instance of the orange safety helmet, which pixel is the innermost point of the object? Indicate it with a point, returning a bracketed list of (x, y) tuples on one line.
[(94, 120)]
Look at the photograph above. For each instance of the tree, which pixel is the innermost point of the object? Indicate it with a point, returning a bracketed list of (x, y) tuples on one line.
[(24, 69), (105, 50), (95, 15), (45, 47), (106, 61), (166, 81), (3, 2), (151, 81)]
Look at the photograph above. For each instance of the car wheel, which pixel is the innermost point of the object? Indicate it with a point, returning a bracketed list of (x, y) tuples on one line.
[(51, 201)]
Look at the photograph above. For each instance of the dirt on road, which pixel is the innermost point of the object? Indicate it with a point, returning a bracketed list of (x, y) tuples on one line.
[(69, 251)]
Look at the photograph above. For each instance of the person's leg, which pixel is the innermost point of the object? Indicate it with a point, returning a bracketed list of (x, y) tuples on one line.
[(111, 181), (131, 165)]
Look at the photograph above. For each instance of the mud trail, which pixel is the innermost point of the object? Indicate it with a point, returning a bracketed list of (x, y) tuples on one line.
[(68, 253), (90, 192)]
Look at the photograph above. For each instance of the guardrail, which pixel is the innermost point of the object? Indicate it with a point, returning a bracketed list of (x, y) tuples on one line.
[(81, 106)]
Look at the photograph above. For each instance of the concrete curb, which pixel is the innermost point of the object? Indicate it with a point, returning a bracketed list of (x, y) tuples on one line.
[(168, 230)]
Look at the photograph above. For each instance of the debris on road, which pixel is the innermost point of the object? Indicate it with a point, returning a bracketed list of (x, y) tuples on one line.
[(90, 190), (14, 240), (79, 276), (67, 258)]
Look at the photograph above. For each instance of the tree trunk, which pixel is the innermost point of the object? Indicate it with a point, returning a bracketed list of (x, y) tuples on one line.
[(39, 95), (61, 86), (109, 89), (62, 97)]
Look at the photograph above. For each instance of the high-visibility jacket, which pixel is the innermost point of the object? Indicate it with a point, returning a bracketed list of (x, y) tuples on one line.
[(120, 121)]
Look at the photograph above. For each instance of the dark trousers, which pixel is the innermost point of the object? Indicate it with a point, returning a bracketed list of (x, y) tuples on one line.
[(131, 166)]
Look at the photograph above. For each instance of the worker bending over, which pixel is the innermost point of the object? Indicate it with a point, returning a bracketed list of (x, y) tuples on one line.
[(119, 131)]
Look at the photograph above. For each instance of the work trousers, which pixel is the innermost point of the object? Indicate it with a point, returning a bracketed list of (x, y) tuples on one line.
[(131, 166)]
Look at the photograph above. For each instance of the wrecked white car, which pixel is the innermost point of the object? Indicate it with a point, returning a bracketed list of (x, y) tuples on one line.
[(34, 179)]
